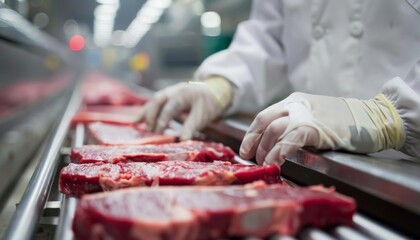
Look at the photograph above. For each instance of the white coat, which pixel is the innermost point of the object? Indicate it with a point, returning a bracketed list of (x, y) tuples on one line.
[(346, 48)]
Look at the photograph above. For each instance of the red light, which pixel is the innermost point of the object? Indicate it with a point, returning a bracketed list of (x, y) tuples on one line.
[(77, 43)]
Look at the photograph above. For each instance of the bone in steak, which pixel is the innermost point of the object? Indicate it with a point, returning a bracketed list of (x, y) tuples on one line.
[(78, 179), (117, 134), (195, 151), (190, 213)]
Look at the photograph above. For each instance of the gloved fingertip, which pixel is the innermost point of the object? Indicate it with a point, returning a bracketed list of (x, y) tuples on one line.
[(281, 160), (287, 151), (260, 161), (150, 124), (249, 145), (261, 153), (186, 135), (268, 161), (160, 126), (274, 156), (244, 150), (149, 127), (243, 153), (141, 116), (278, 160)]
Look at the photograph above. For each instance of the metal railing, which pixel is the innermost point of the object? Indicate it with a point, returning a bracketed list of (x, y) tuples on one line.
[(29, 211)]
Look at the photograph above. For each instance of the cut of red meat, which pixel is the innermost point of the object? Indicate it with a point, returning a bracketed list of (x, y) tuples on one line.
[(122, 97), (117, 134), (194, 151), (108, 114), (190, 213), (131, 110), (78, 179), (88, 117), (99, 89)]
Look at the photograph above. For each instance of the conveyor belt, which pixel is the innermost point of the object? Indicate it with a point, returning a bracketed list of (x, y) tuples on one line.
[(364, 228), (33, 204)]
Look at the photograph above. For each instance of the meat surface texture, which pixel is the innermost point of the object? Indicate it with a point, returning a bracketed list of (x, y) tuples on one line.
[(191, 213), (79, 179), (117, 134), (99, 89), (194, 151)]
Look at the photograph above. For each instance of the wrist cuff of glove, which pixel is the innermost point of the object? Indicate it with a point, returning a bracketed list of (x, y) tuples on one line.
[(220, 88), (381, 121), (396, 130)]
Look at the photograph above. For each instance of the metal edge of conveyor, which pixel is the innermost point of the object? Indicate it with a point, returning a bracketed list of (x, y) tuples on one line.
[(68, 203), (364, 226), (368, 174), (29, 211), (26, 135)]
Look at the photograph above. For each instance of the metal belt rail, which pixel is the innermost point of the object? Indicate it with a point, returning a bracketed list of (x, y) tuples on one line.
[(33, 205)]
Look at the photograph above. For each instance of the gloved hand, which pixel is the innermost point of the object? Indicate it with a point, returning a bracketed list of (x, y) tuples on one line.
[(361, 126), (205, 101)]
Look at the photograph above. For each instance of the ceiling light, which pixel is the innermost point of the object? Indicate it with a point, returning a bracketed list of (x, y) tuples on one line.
[(210, 20), (158, 3)]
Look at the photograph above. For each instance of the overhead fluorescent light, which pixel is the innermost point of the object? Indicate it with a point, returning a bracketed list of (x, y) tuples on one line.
[(150, 13), (211, 23), (103, 24), (109, 2), (210, 19), (158, 3)]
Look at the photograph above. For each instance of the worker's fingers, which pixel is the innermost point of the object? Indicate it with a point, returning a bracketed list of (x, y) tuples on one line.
[(152, 109), (290, 143), (270, 137), (274, 156), (141, 116), (249, 145), (172, 108), (266, 116), (297, 138), (253, 135), (196, 120)]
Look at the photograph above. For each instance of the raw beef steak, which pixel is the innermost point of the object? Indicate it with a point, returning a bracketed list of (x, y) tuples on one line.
[(99, 89), (194, 151), (190, 213), (78, 179), (117, 134), (108, 114)]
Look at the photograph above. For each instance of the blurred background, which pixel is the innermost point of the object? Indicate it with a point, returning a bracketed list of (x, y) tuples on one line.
[(153, 43)]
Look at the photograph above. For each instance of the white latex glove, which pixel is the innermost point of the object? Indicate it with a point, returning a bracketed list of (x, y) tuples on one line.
[(204, 100), (325, 123)]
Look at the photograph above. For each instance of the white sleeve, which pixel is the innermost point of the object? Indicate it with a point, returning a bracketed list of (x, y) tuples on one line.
[(254, 62), (404, 94)]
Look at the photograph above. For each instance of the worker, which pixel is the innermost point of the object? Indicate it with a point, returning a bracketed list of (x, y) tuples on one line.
[(351, 69)]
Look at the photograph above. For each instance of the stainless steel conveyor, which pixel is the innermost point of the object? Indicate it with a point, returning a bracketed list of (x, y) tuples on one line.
[(34, 211)]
